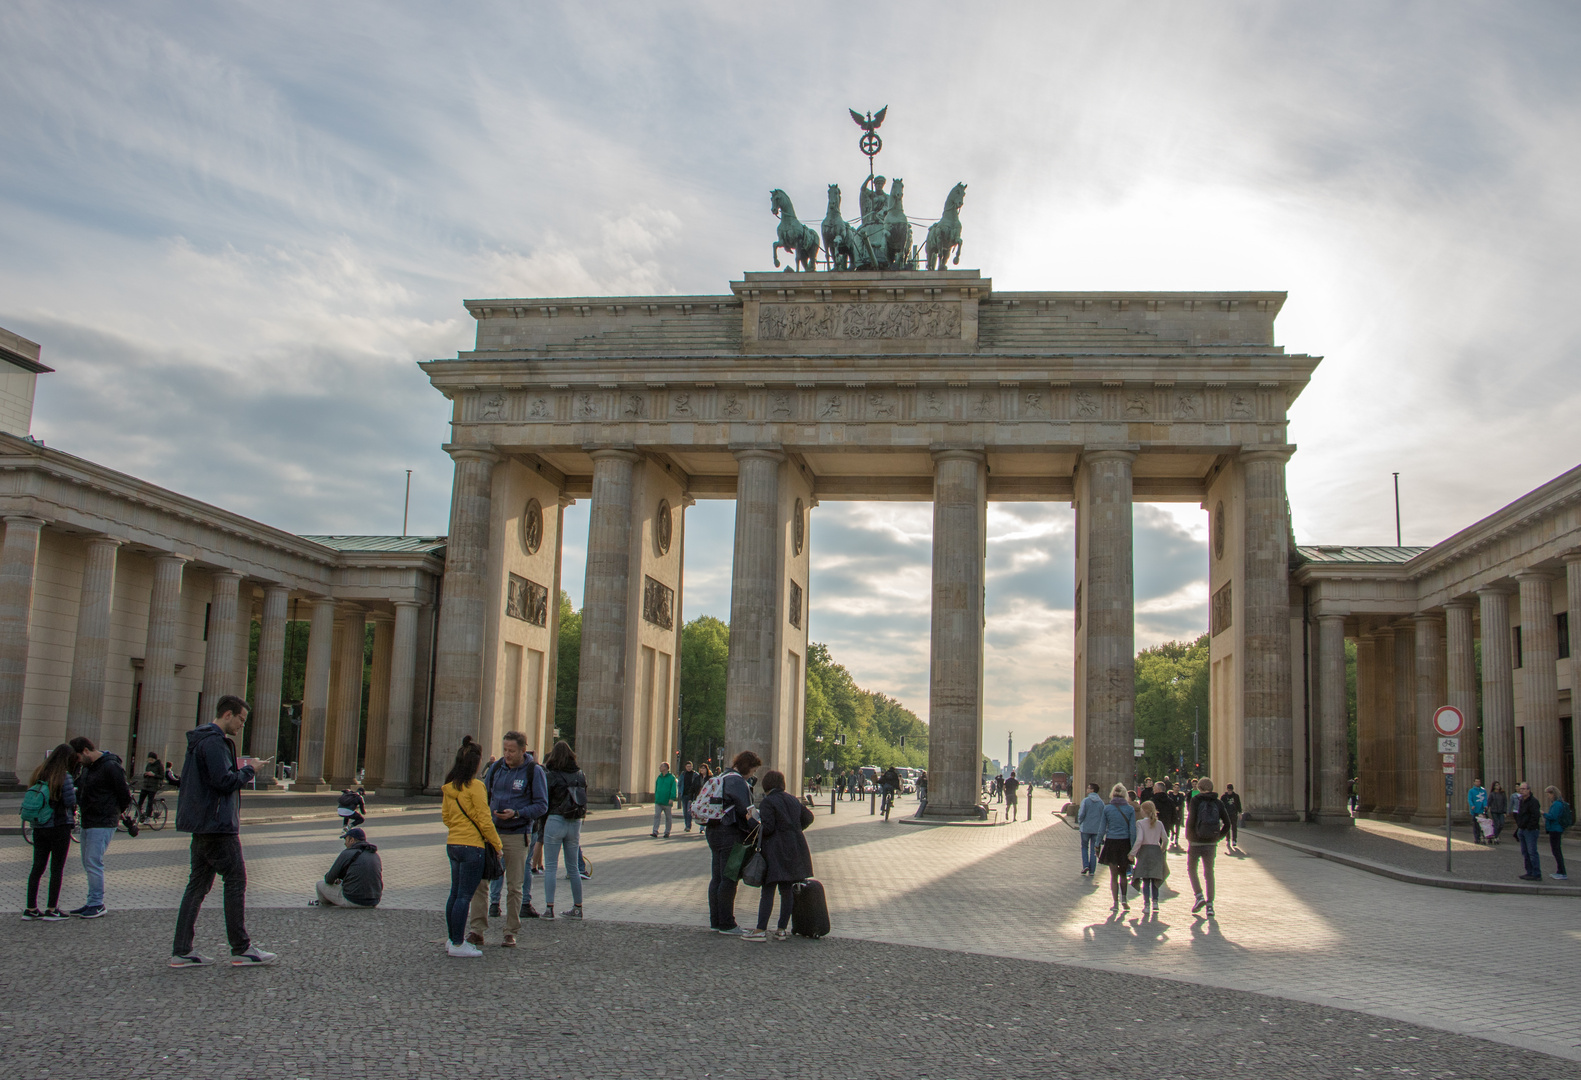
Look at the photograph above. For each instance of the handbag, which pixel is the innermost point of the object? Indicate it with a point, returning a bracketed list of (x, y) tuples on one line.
[(756, 869), (739, 854), (493, 865)]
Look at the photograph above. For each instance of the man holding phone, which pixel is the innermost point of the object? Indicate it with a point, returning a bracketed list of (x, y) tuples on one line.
[(518, 796)]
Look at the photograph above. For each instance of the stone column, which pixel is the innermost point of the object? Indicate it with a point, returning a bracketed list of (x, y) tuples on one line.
[(1431, 693), (1461, 686), (1333, 741), (346, 698), (1388, 787), (955, 697), (606, 607), (1539, 715), (1110, 614), (755, 575), (18, 561), (377, 739), (1405, 767), (403, 681), (1270, 781), (91, 655), (219, 652), (159, 726), (271, 675), (245, 611), (458, 676), (1366, 724), (1573, 597), (315, 697), (1498, 690)]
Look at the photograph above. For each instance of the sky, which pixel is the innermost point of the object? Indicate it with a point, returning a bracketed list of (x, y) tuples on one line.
[(237, 228)]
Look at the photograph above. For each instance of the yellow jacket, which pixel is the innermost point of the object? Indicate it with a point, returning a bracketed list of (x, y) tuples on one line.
[(471, 800)]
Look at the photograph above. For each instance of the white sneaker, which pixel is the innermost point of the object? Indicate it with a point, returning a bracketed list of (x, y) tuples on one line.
[(465, 949), (254, 957)]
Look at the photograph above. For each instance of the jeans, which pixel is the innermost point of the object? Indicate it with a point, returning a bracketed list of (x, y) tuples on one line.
[(1203, 853), (1090, 843), (466, 870), (334, 895), (145, 803), (94, 844), (686, 813), (766, 904), (51, 845), (1498, 825), (516, 888), (1528, 839), (215, 853), (665, 810), (1149, 890), (721, 890), (562, 835), (1559, 854)]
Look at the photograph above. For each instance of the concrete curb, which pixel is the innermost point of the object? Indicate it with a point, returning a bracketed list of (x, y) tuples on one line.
[(1412, 877), (278, 819)]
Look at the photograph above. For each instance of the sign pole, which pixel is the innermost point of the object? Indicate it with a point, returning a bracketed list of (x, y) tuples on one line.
[(1449, 722), (1449, 844)]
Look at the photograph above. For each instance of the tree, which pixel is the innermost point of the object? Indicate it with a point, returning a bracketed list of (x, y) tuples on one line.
[(1171, 694), (568, 669), (1040, 762), (705, 661)]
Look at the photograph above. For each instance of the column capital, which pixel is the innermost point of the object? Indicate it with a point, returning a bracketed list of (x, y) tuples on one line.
[(1280, 453), (770, 453), (1461, 603), (1493, 590), (1533, 575), (25, 520), (1331, 617), (1572, 558), (104, 541), (271, 587), (1109, 453), (1427, 617), (407, 603), (612, 453), (218, 574), (471, 453), (172, 556), (959, 454)]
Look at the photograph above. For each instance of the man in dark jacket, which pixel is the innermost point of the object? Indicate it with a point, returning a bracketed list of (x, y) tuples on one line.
[(1528, 827), (209, 807), (518, 796), (153, 778), (1231, 801), (1205, 825), (691, 787), (102, 797), (357, 878)]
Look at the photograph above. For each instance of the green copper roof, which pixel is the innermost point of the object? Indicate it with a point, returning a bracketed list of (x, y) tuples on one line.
[(412, 545), (1344, 553)]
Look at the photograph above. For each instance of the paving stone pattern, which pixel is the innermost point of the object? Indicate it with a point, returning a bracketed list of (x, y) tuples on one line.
[(1288, 926)]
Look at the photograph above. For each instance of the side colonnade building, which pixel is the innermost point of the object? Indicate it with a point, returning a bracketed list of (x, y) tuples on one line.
[(126, 612)]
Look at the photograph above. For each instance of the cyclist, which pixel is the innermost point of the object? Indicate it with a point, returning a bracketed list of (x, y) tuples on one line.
[(153, 778), (888, 785)]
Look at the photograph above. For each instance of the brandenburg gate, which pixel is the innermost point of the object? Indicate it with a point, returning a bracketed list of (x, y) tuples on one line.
[(869, 383)]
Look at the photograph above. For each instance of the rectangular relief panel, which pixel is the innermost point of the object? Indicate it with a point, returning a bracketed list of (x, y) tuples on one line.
[(658, 604)]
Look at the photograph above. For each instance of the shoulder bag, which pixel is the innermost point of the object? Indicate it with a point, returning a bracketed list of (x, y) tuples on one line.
[(493, 865), (743, 851)]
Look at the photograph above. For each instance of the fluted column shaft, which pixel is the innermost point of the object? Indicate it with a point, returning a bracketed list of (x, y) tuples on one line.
[(219, 652), (1383, 694), (403, 681), (345, 727), (955, 695), (1431, 693), (18, 563), (1269, 756), (458, 676), (1366, 724), (1573, 597), (159, 725), (1405, 766), (1461, 684), (1333, 739), (91, 654), (754, 607), (271, 673), (1539, 715), (1498, 690), (606, 606), (377, 737), (1110, 615), (315, 696)]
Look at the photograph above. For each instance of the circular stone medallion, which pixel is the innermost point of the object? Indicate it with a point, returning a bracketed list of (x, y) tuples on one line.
[(663, 528), (532, 527), (799, 527), (1218, 530)]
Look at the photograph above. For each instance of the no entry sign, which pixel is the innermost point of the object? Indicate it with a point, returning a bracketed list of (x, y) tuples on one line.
[(1448, 722)]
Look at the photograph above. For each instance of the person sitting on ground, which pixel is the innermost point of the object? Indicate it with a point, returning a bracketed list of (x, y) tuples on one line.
[(153, 778), (782, 818), (357, 878)]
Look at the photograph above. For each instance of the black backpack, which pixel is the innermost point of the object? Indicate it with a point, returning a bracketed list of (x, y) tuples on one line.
[(1207, 821), (348, 801)]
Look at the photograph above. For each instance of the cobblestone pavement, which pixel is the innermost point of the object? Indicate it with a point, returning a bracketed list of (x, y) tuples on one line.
[(1288, 925), (1421, 850), (361, 993)]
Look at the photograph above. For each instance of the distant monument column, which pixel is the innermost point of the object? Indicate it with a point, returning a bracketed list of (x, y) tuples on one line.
[(1544, 762), (754, 607), (1333, 742), (343, 735), (1405, 769), (955, 700), (18, 562), (219, 652), (1366, 724), (269, 682), (1431, 692), (403, 681), (315, 697), (1573, 591), (463, 611), (1498, 690), (91, 654), (1383, 694), (606, 603), (1268, 731), (159, 728), (1461, 685), (1106, 620)]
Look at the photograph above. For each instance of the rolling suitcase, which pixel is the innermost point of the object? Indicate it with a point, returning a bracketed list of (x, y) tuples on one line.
[(809, 909)]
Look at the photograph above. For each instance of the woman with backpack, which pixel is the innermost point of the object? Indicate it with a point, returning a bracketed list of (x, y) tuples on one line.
[(1556, 819), (1152, 867), (781, 821), (464, 807), (562, 827), (1119, 831), (727, 823), (50, 786)]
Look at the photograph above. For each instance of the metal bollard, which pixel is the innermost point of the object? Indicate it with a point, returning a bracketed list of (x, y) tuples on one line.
[(834, 793), (872, 807)]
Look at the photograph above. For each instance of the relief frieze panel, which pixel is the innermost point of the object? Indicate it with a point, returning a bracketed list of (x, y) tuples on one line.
[(812, 322)]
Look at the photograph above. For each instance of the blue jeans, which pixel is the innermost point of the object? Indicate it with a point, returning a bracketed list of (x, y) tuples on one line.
[(721, 890), (94, 844), (1528, 839), (686, 812), (466, 870), (1090, 843), (562, 835), (496, 889)]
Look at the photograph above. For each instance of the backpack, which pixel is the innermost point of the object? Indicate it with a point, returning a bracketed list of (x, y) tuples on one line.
[(1567, 816), (348, 801), (36, 809), (1207, 821), (709, 806)]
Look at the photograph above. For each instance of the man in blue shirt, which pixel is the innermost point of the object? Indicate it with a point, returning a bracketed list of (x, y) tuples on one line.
[(1477, 800), (518, 796)]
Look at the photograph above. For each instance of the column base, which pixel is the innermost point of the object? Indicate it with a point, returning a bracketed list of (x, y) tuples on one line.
[(1265, 817), (1401, 817), (10, 782), (959, 815), (309, 785), (1324, 817)]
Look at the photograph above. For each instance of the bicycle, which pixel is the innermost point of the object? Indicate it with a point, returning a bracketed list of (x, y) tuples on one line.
[(158, 812), (889, 802), (27, 832)]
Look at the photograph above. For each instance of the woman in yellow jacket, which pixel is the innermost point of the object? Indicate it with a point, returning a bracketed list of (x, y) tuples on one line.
[(465, 807)]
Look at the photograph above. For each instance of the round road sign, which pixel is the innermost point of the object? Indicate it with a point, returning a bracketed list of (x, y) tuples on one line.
[(1448, 722)]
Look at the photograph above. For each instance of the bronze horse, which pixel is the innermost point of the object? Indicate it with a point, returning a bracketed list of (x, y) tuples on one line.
[(945, 234), (846, 247), (797, 239)]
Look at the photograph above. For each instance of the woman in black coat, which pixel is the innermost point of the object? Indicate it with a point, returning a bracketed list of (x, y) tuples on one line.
[(781, 819)]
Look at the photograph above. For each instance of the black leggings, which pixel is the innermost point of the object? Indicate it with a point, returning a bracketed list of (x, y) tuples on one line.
[(766, 905), (50, 848)]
